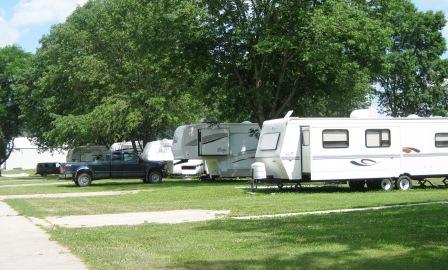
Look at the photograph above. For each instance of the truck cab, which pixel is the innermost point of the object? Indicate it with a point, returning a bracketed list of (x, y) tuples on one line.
[(114, 165)]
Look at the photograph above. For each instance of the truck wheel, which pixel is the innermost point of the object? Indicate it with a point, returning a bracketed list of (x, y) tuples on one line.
[(84, 180), (404, 183), (387, 184), (154, 177)]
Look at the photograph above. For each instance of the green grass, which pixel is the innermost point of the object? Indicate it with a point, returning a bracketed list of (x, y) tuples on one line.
[(407, 238), (181, 194)]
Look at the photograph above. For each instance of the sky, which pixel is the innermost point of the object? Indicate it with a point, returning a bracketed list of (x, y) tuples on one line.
[(24, 22)]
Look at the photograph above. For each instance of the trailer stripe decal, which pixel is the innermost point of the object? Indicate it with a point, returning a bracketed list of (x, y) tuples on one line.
[(354, 156), (426, 155)]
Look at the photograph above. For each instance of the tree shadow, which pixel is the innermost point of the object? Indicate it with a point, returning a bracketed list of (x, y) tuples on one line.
[(413, 238)]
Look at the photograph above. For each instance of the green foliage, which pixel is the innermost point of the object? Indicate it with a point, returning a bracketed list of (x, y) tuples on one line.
[(111, 72), (413, 78), (316, 57), (13, 61), (134, 70)]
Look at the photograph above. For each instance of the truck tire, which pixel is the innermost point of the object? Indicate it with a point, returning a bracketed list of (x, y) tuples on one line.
[(83, 180), (153, 177), (387, 184), (404, 183)]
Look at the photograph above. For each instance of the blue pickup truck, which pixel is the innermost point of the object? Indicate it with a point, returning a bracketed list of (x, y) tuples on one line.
[(115, 164)]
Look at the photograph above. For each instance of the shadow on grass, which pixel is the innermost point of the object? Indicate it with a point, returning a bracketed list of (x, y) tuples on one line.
[(414, 238), (165, 184)]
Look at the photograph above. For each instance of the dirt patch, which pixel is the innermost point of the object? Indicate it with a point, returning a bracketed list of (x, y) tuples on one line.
[(159, 217), (71, 195)]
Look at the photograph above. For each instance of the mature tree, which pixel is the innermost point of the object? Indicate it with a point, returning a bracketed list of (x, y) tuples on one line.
[(113, 71), (269, 56), (13, 61), (412, 81)]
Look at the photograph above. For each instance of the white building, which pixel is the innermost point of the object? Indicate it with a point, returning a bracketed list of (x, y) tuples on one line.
[(26, 155)]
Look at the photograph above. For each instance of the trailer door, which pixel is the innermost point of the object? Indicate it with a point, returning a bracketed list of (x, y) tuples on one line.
[(213, 142), (305, 142)]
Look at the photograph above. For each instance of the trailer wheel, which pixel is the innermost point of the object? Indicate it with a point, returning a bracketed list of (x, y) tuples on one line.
[(356, 185), (84, 180), (404, 182), (387, 184)]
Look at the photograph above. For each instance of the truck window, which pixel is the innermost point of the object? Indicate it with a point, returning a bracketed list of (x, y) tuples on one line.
[(130, 156), (269, 141), (335, 138), (377, 138), (116, 156), (441, 140)]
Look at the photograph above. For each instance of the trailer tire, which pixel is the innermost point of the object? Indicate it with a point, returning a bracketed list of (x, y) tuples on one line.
[(387, 184), (356, 185), (154, 177), (83, 180), (404, 183), (373, 184)]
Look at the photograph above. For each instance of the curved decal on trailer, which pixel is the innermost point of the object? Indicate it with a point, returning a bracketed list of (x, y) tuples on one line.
[(409, 150), (364, 162)]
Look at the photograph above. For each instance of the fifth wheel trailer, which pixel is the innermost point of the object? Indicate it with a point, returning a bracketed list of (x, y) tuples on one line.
[(227, 149), (379, 152), (161, 150)]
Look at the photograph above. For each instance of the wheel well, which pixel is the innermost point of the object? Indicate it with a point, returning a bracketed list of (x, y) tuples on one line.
[(405, 174), (84, 171), (153, 170)]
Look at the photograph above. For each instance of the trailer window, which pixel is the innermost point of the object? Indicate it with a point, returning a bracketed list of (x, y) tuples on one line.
[(377, 138), (335, 138), (305, 137), (441, 140), (269, 141)]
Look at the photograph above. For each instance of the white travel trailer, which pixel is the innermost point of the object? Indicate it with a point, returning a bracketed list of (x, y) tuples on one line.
[(161, 150), (379, 152), (227, 149)]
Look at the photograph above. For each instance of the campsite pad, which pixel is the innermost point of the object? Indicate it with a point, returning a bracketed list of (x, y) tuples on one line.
[(71, 195), (159, 217), (17, 175)]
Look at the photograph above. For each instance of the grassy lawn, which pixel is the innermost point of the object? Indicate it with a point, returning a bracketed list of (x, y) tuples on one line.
[(408, 238), (182, 194)]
